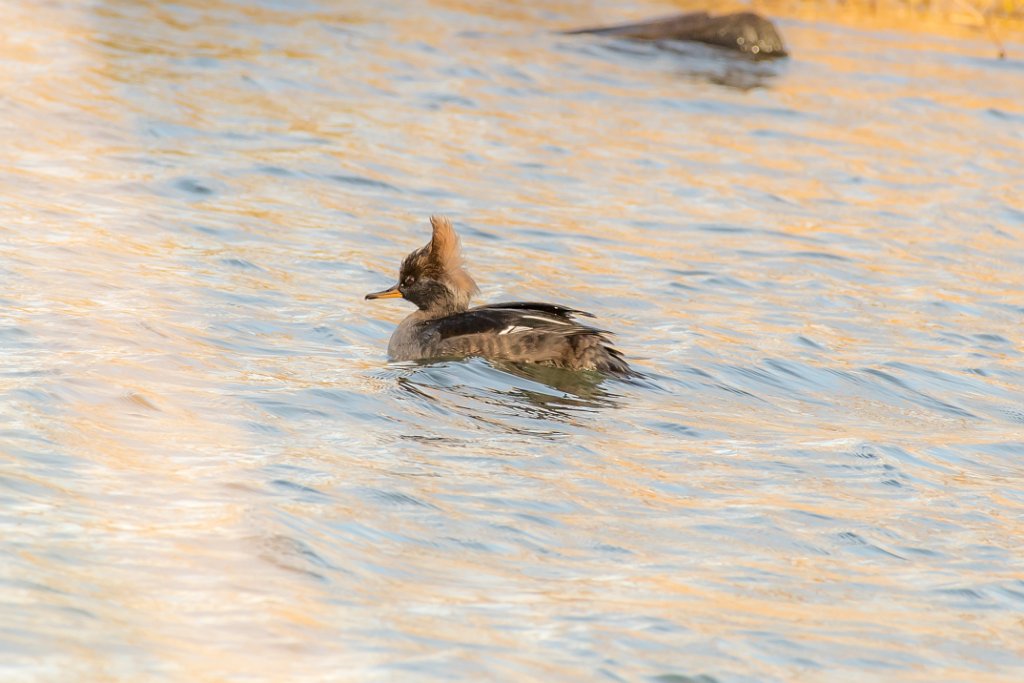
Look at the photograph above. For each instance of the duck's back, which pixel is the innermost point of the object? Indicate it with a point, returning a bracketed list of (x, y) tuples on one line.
[(513, 331)]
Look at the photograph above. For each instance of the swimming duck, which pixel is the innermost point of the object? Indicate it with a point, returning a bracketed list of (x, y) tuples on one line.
[(444, 325)]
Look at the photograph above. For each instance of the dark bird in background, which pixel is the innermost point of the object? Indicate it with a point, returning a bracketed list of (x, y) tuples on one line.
[(444, 326), (745, 32)]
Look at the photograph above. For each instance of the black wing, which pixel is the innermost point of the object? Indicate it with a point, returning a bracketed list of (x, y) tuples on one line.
[(553, 309), (511, 318)]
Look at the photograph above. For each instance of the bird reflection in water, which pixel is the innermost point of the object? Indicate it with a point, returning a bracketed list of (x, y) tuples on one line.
[(494, 390)]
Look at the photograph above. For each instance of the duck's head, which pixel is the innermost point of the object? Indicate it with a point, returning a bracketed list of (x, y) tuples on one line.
[(432, 277)]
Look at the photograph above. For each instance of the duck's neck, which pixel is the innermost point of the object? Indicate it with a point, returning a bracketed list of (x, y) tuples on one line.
[(441, 307), (441, 310)]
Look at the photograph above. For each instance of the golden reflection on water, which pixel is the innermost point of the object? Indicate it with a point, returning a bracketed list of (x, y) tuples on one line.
[(242, 487)]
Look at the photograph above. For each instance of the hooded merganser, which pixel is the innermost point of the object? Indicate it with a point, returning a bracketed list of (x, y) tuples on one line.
[(433, 278)]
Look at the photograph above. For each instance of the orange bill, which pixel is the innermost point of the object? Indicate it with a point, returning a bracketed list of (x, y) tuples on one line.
[(389, 293)]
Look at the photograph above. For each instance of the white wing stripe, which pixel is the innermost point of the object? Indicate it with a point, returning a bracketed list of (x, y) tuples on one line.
[(556, 321), (512, 329)]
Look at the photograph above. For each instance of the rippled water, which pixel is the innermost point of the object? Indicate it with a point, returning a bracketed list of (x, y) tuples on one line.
[(210, 472)]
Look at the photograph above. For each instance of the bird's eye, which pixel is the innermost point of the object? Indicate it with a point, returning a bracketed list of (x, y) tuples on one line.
[(409, 281)]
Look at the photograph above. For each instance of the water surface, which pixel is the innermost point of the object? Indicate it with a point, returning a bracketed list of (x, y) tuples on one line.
[(210, 471)]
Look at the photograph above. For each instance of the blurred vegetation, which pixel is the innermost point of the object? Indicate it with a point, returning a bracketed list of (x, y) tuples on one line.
[(953, 10), (999, 20)]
